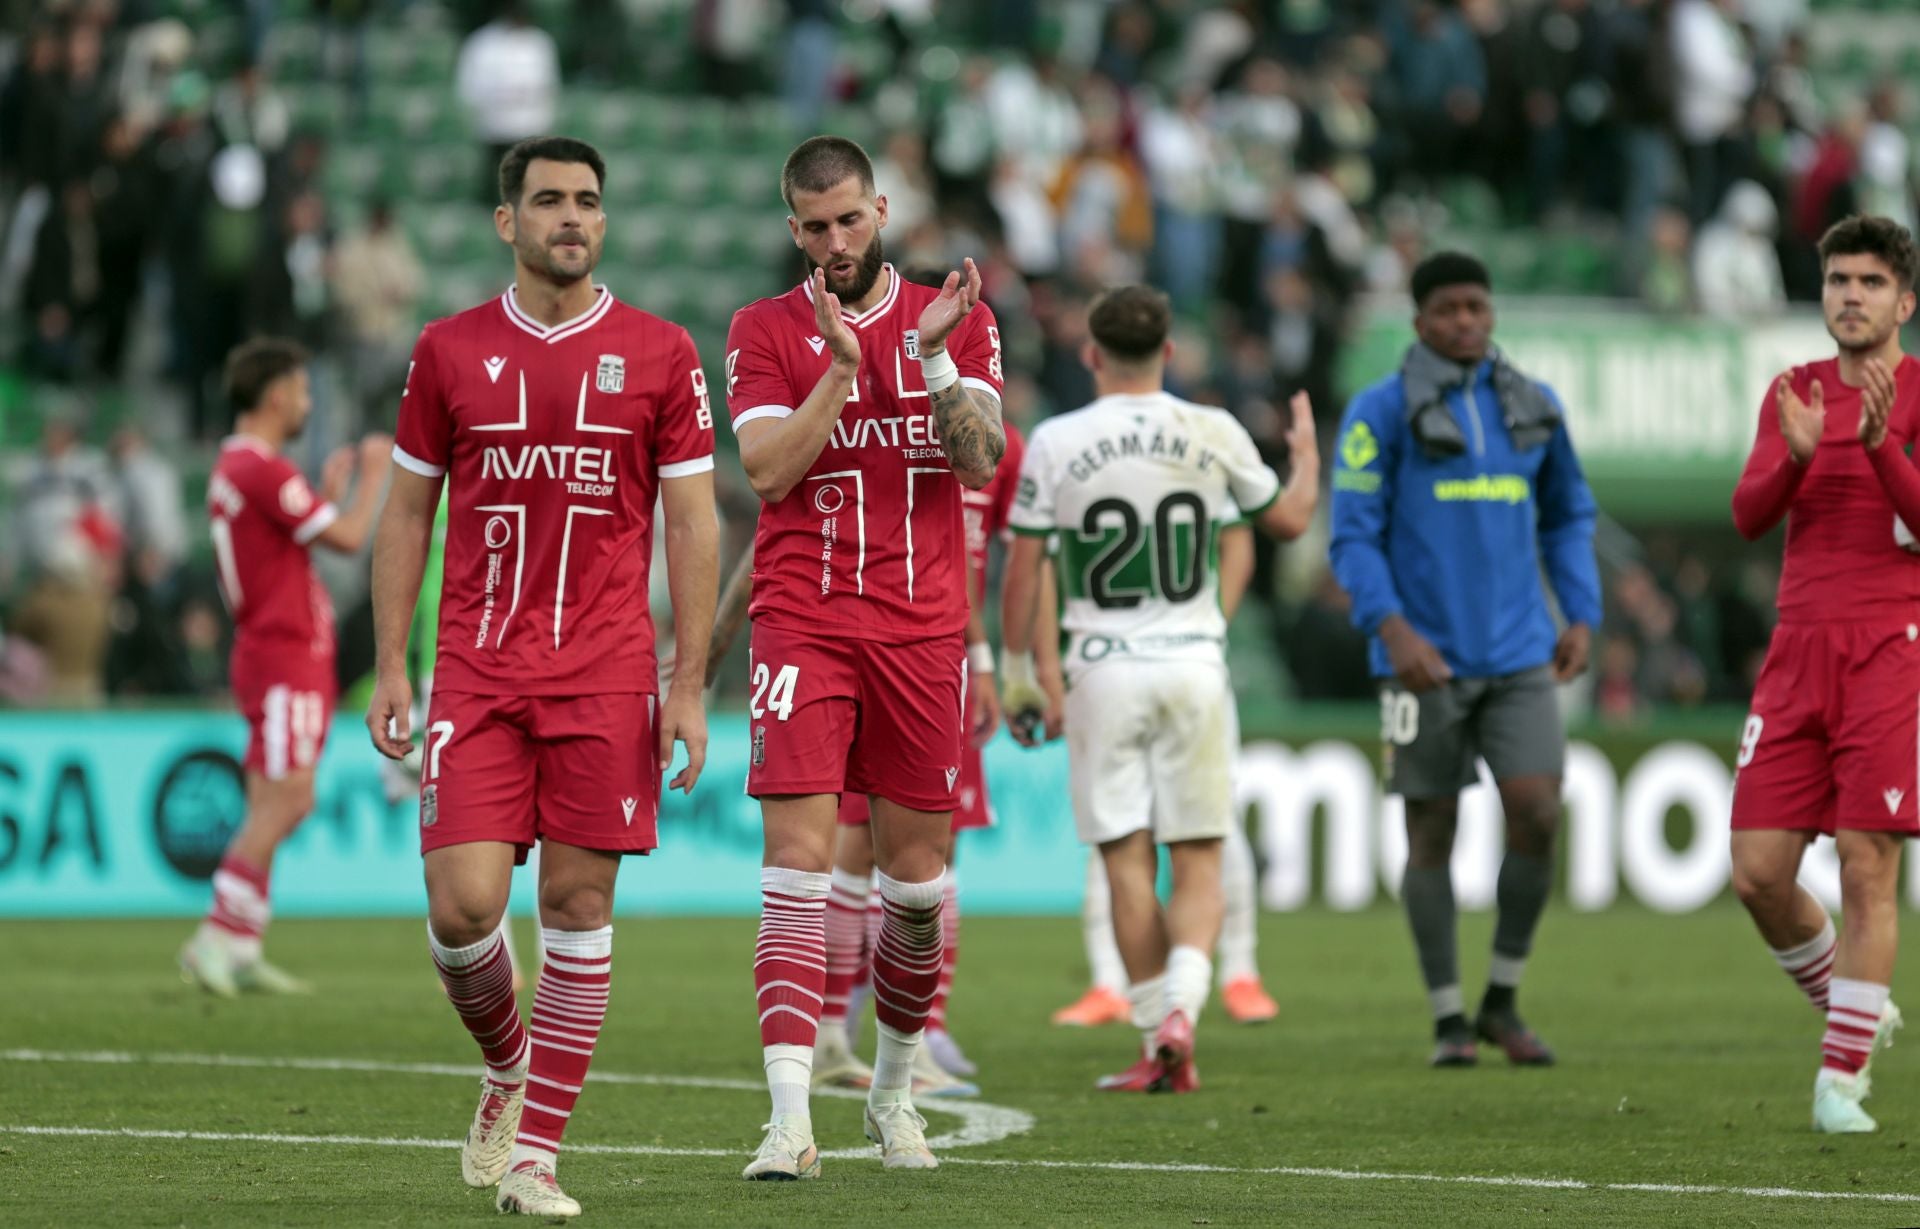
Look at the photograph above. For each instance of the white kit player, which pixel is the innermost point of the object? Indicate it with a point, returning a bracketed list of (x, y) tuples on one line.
[(1137, 486)]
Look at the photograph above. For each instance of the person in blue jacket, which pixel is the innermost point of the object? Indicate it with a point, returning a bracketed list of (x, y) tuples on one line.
[(1455, 488)]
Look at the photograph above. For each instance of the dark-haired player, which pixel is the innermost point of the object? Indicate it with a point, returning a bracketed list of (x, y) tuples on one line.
[(1455, 485), (863, 404), (1829, 744), (554, 414), (1138, 487), (264, 519)]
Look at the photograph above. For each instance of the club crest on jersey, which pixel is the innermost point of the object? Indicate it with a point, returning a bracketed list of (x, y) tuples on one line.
[(912, 339), (611, 376), (429, 806), (759, 746)]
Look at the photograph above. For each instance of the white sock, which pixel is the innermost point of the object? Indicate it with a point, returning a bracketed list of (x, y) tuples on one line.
[(1096, 922), (1149, 999), (1238, 936), (1810, 964), (789, 1079), (1446, 1001), (893, 1064), (1506, 970), (1189, 979)]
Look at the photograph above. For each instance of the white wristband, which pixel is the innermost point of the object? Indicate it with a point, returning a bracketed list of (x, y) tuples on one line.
[(980, 657), (939, 372), (1017, 670)]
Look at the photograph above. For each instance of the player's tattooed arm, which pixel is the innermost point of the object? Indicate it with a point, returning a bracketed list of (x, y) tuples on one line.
[(970, 431), (968, 421)]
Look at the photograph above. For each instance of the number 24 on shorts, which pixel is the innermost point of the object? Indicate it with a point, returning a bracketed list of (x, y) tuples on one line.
[(780, 698)]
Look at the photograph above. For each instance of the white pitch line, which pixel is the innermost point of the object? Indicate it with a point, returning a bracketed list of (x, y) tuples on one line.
[(980, 1122), (1286, 1171)]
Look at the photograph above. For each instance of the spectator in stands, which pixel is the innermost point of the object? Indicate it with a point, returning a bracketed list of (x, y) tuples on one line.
[(64, 483), (1440, 79), (154, 507), (1100, 194), (1564, 75), (810, 52), (125, 190), (1736, 269), (1343, 117), (377, 282), (1666, 282), (1035, 119), (1026, 219), (900, 174), (1714, 77), (1182, 160), (726, 41), (1640, 80), (1885, 183), (508, 77), (962, 149), (247, 110)]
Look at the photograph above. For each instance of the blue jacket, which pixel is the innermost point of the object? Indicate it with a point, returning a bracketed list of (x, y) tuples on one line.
[(1457, 544)]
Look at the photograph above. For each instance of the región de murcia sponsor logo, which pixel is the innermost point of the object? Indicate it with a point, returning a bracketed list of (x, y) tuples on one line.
[(585, 471)]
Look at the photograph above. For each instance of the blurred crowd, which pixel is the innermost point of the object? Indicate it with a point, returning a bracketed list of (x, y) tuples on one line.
[(1276, 165)]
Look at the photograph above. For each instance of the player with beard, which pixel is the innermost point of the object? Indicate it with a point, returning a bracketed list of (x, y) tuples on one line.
[(264, 521), (863, 404), (1828, 746), (554, 414)]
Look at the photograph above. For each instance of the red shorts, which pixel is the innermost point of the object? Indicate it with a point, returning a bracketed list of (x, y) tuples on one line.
[(1833, 738), (975, 810), (520, 769), (836, 716), (287, 699)]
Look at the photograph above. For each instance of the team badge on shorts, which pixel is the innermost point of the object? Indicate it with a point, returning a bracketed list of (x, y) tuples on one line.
[(759, 746), (611, 376), (429, 806)]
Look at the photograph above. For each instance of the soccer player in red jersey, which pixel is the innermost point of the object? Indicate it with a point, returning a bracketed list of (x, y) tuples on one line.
[(1829, 743), (264, 519), (554, 414), (941, 1066), (863, 404)]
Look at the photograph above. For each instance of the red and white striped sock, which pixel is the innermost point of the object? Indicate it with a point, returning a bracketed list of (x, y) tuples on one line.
[(1853, 1016), (479, 983), (240, 910), (569, 1006), (846, 931), (789, 980), (1810, 964), (949, 953), (906, 968)]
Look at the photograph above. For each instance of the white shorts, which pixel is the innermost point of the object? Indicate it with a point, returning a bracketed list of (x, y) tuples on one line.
[(1151, 746)]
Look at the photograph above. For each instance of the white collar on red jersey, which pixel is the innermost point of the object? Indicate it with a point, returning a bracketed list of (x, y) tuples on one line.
[(877, 311), (510, 302), (241, 439)]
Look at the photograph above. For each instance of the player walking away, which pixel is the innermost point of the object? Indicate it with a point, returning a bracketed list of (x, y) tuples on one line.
[(264, 518), (555, 413), (863, 403), (1455, 484), (1829, 744), (1241, 991), (1137, 485)]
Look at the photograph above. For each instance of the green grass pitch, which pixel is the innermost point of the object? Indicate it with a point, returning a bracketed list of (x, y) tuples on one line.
[(1686, 1060)]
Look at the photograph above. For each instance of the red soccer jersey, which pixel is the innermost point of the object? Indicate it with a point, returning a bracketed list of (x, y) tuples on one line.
[(986, 509), (554, 441), (263, 516), (1842, 560), (871, 543)]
